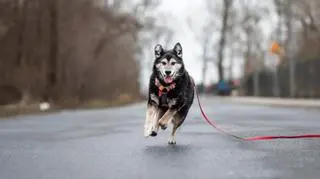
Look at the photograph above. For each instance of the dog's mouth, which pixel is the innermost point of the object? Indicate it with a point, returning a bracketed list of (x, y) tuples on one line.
[(168, 79)]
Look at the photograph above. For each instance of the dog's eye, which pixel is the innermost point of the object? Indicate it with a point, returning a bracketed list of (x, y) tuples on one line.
[(163, 63), (173, 63)]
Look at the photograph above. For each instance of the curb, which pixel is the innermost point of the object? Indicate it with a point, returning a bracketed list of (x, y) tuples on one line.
[(309, 103)]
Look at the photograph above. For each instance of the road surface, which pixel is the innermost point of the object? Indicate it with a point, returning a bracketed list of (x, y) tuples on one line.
[(109, 144)]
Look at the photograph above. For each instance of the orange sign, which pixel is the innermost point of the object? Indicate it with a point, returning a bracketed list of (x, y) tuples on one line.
[(276, 49)]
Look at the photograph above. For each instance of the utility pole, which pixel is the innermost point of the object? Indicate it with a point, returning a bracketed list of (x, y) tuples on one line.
[(256, 77), (276, 90), (256, 82), (256, 85), (290, 56)]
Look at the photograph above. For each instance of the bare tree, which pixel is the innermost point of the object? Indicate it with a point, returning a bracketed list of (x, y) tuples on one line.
[(213, 50), (204, 37), (253, 51), (227, 5)]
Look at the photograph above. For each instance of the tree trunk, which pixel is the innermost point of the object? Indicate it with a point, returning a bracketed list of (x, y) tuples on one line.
[(21, 64), (52, 64), (289, 49), (222, 42), (204, 69), (205, 59), (21, 20)]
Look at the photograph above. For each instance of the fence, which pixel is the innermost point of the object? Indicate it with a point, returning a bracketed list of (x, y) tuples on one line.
[(307, 81)]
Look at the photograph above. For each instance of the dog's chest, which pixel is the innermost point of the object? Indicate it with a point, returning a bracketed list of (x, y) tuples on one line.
[(164, 100)]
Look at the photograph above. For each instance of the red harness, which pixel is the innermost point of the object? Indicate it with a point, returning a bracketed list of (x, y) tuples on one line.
[(163, 89)]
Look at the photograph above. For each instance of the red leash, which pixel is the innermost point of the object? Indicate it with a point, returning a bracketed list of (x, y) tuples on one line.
[(255, 138)]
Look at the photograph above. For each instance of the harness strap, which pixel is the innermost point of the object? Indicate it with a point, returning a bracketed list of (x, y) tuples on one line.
[(163, 89)]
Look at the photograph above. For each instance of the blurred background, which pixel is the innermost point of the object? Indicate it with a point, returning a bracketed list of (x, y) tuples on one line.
[(74, 53)]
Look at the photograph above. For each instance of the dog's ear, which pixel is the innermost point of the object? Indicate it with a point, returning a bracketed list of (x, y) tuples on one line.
[(178, 49), (158, 50)]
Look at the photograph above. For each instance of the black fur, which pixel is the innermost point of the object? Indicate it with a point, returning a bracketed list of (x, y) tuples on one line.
[(183, 93)]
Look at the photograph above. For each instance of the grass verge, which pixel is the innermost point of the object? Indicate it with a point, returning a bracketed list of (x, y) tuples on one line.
[(33, 109)]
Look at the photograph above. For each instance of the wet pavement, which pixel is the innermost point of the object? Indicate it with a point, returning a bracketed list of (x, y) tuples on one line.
[(109, 144)]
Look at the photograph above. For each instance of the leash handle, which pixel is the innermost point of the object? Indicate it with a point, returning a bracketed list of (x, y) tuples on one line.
[(254, 138)]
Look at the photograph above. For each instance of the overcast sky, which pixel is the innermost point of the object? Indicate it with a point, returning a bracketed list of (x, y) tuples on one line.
[(177, 12)]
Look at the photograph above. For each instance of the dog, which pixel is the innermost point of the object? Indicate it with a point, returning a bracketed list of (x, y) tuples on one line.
[(171, 92)]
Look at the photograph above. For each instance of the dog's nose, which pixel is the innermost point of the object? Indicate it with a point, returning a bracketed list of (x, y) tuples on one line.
[(168, 73)]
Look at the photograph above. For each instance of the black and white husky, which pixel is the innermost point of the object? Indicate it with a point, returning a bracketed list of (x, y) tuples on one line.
[(171, 92)]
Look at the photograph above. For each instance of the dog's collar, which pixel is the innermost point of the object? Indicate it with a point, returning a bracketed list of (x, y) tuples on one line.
[(163, 89)]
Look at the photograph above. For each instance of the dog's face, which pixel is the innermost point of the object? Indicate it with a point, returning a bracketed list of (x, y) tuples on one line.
[(168, 64)]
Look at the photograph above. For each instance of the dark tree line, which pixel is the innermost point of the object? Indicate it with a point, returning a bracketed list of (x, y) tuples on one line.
[(66, 50)]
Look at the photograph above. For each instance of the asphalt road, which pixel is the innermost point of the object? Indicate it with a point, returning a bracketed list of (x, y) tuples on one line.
[(109, 144)]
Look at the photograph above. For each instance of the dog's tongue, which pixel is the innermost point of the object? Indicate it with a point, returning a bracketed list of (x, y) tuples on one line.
[(168, 79)]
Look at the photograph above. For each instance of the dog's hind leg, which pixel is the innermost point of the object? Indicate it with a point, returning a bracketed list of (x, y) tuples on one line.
[(151, 125), (177, 121), (172, 138)]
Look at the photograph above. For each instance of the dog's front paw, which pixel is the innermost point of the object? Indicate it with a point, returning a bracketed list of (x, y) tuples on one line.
[(150, 126), (150, 131), (153, 134), (172, 140), (163, 125), (147, 132)]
